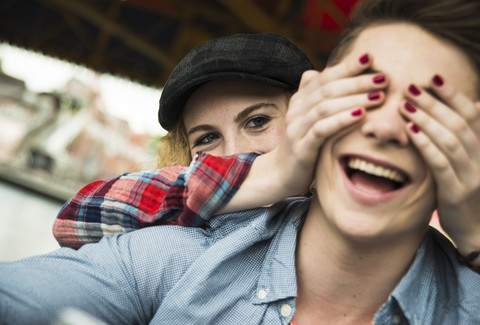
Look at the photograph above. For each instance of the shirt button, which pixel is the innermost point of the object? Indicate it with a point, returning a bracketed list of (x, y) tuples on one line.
[(262, 294), (396, 320), (286, 310)]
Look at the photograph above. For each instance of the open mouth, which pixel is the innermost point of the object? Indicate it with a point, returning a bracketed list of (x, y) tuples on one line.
[(373, 177)]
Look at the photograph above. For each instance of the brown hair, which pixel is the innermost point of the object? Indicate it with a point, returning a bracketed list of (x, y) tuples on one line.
[(457, 21)]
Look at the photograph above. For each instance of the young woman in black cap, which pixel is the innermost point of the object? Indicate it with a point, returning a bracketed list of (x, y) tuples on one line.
[(244, 65), (227, 96)]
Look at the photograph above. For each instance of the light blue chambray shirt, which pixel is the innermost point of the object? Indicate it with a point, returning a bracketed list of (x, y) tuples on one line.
[(239, 270)]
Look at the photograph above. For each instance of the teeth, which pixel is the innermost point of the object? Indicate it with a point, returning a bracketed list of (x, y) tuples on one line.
[(370, 168)]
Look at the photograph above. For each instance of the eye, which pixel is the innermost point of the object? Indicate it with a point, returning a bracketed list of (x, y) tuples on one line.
[(257, 122), (206, 139)]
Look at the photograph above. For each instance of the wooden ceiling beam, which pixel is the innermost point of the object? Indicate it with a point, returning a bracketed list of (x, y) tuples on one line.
[(134, 40), (254, 17), (38, 40), (176, 10), (104, 35), (76, 26), (282, 8), (6, 4), (259, 21)]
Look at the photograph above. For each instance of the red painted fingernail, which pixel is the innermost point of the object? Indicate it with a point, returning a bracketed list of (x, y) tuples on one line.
[(437, 80), (379, 79), (364, 59), (374, 95), (357, 112), (415, 128), (410, 107), (414, 90)]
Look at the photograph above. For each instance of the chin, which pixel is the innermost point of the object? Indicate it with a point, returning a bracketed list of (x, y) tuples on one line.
[(375, 225), (360, 228)]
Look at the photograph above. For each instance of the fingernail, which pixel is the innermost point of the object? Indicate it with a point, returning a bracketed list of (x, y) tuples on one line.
[(414, 90), (364, 59), (374, 95), (437, 80), (415, 128), (357, 112), (410, 107), (379, 79)]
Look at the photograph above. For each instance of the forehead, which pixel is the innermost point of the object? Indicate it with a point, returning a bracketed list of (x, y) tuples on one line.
[(227, 97), (409, 54)]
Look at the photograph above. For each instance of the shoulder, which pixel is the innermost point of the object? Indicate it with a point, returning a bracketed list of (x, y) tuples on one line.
[(187, 243), (160, 244), (460, 284), (265, 221), (437, 288)]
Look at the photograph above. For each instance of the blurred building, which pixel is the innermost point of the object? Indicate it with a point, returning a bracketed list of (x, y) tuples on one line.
[(55, 143)]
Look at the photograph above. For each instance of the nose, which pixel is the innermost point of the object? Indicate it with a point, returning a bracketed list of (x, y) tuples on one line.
[(386, 125), (239, 144), (237, 141)]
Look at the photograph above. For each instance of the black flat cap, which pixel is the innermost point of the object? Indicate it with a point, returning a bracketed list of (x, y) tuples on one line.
[(267, 58)]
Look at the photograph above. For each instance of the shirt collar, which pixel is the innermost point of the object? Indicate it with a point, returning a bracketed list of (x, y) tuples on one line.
[(417, 289)]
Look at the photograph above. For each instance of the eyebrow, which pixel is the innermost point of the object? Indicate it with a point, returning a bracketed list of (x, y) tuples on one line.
[(201, 127), (242, 115)]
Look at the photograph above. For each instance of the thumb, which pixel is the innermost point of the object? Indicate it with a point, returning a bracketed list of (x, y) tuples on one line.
[(307, 77)]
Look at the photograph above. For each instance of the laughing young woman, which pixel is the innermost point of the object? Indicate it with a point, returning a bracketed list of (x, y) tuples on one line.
[(360, 250)]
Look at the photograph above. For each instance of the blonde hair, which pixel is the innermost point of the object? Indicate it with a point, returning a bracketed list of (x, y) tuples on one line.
[(173, 148)]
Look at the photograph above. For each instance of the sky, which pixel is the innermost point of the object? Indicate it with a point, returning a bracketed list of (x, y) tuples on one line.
[(44, 74)]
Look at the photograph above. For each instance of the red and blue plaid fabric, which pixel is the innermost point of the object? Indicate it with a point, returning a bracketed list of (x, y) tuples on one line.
[(177, 195)]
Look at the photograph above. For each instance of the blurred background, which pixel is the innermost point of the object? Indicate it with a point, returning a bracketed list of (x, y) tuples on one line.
[(80, 82)]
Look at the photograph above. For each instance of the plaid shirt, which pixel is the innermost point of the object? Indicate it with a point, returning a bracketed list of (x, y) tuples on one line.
[(178, 195)]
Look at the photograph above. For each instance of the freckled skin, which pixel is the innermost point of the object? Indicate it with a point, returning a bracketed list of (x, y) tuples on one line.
[(220, 107)]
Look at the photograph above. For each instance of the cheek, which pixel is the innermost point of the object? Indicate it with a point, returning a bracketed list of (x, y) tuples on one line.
[(427, 196), (263, 144), (272, 137), (278, 133)]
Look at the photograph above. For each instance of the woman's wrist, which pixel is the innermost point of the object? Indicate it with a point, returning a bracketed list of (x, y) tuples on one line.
[(468, 246), (267, 182), (472, 259)]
